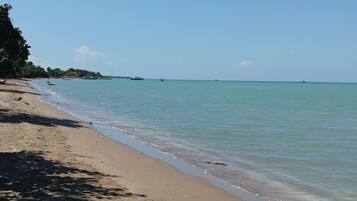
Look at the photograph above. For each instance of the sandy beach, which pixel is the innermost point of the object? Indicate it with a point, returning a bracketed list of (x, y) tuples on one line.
[(46, 154)]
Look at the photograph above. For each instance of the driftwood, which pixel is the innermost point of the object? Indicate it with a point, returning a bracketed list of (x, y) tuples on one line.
[(216, 163)]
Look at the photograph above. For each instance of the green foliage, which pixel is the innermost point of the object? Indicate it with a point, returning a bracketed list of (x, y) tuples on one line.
[(82, 73), (14, 50), (29, 70), (73, 73), (56, 73)]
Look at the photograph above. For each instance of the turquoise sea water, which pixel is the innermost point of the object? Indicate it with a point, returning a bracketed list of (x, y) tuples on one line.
[(283, 141)]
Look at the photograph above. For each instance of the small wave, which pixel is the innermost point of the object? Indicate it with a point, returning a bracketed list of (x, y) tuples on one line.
[(50, 92)]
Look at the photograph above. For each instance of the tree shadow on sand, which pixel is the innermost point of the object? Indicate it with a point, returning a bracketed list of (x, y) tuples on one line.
[(10, 116), (30, 176), (17, 91), (2, 83)]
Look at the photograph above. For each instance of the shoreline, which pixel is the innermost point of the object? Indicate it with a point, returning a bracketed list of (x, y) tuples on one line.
[(143, 177), (168, 158), (147, 149)]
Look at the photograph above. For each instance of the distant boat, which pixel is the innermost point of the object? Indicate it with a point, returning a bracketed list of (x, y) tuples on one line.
[(162, 79), (136, 78), (303, 81), (50, 83)]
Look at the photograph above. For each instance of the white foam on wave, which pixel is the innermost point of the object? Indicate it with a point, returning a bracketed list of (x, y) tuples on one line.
[(50, 92)]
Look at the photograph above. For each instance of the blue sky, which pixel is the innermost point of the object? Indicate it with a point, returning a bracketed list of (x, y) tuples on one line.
[(222, 39)]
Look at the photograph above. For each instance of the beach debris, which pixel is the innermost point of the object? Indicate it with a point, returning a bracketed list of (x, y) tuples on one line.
[(219, 163), (139, 195), (18, 98), (215, 163)]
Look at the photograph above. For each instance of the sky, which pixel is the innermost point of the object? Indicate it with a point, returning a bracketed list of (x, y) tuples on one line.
[(201, 39)]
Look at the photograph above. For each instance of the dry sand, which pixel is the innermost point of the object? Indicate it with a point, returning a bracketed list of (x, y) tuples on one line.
[(46, 154)]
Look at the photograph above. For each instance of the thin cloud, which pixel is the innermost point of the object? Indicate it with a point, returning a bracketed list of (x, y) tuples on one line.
[(86, 57), (85, 51), (247, 62)]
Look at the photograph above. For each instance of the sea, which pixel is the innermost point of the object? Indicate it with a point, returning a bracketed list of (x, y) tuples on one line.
[(266, 140)]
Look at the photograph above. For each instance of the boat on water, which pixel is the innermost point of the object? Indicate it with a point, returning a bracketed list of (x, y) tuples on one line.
[(50, 83), (162, 79), (136, 78)]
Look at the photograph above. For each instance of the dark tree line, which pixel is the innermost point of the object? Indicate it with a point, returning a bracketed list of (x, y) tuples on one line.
[(14, 53), (14, 50), (71, 72)]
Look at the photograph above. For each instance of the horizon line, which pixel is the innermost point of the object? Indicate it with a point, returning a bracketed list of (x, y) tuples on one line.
[(229, 80)]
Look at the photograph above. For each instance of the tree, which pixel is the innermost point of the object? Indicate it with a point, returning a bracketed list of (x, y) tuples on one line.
[(14, 50), (56, 73), (29, 70)]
